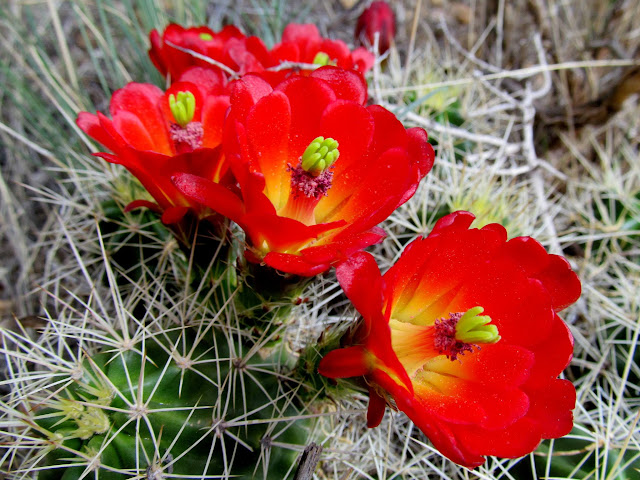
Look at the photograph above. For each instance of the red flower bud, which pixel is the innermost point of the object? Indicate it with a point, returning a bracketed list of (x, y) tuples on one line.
[(377, 19)]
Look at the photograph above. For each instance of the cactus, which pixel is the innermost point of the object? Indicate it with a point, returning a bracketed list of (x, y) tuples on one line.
[(180, 402)]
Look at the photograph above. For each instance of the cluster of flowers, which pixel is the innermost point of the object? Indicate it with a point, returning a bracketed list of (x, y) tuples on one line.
[(283, 143)]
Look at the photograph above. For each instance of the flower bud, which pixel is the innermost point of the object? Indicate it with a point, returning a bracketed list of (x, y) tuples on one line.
[(378, 18)]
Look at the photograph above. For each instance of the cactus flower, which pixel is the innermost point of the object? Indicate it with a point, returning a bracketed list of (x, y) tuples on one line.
[(317, 170), (179, 48), (462, 334), (155, 134), (303, 43), (231, 52)]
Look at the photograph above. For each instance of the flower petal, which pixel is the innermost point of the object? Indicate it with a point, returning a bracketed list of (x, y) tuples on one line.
[(295, 264), (552, 405), (377, 406), (344, 363), (213, 195), (347, 84), (268, 125), (308, 97), (511, 442)]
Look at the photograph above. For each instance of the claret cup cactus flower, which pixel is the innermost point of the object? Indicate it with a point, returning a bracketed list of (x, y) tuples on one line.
[(155, 134), (462, 334), (317, 170), (232, 53)]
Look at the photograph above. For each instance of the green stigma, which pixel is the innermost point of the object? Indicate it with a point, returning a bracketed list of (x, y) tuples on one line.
[(474, 328), (322, 59), (206, 37), (320, 155), (183, 107)]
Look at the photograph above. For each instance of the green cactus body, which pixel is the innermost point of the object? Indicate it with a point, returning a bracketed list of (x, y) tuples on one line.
[(148, 408)]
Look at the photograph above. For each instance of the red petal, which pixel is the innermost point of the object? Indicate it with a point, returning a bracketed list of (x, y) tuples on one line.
[(151, 169), (360, 279), (294, 264), (280, 233), (347, 84), (514, 441), (500, 365), (256, 202), (376, 195), (135, 134), (439, 275), (440, 434), (214, 112), (143, 101), (363, 60), (518, 306), (561, 282), (308, 97), (215, 196), (389, 132), (344, 363), (256, 46), (337, 51), (304, 35), (553, 353), (377, 406), (454, 222), (528, 253), (285, 51), (142, 204), (174, 214), (462, 401), (93, 126), (352, 126), (552, 405), (420, 150), (268, 126), (245, 93), (332, 252), (155, 52), (208, 80)]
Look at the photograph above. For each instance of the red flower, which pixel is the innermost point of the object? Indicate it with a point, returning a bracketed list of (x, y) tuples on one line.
[(228, 47), (474, 384), (377, 19), (317, 169), (155, 134), (180, 48), (303, 44)]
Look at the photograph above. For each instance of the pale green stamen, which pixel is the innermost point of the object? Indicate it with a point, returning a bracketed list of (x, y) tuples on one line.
[(206, 37), (182, 108), (322, 59), (320, 155), (474, 328)]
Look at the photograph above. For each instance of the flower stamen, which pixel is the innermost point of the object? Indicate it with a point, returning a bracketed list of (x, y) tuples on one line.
[(461, 332)]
